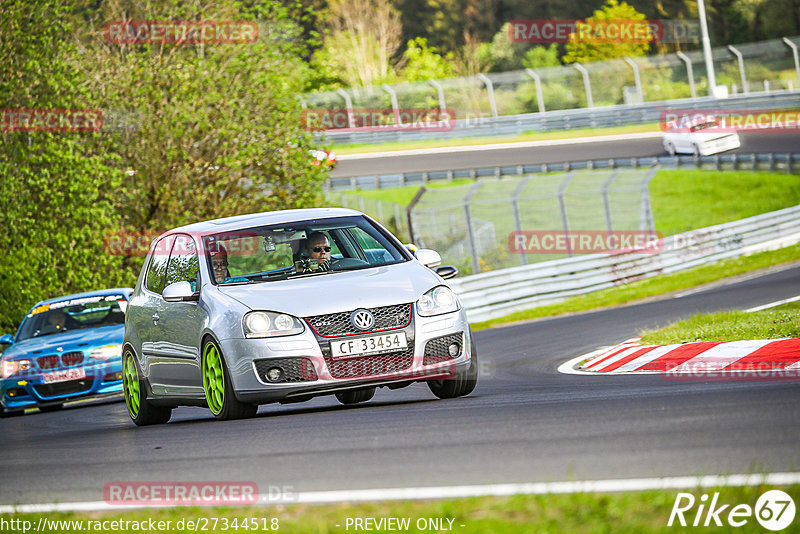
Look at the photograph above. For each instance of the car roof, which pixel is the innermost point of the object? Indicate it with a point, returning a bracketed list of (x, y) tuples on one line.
[(98, 293), (260, 219)]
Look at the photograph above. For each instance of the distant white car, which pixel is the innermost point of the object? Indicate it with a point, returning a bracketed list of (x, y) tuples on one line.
[(700, 136)]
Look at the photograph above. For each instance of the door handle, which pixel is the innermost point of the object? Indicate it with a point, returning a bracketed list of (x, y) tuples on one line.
[(155, 318)]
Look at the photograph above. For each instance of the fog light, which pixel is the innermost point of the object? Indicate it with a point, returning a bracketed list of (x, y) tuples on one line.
[(15, 392), (454, 349), (113, 376), (274, 374)]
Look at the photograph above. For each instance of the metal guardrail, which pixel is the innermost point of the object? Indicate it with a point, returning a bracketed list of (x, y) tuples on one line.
[(732, 161), (498, 293), (568, 119)]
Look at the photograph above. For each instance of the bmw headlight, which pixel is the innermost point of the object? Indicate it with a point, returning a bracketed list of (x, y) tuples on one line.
[(271, 324), (104, 353), (12, 367), (437, 301)]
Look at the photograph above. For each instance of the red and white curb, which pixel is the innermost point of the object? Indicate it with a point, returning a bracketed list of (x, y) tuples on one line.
[(765, 358)]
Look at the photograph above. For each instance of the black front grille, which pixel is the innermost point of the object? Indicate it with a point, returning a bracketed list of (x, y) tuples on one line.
[(363, 366), (436, 349), (64, 388), (48, 362), (294, 369), (72, 358), (338, 324)]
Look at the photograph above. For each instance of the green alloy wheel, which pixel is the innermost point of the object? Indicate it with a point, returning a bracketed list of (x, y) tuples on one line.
[(218, 387), (142, 412)]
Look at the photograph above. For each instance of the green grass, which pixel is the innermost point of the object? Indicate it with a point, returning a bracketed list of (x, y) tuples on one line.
[(651, 287), (682, 200), (471, 141), (628, 512), (779, 322)]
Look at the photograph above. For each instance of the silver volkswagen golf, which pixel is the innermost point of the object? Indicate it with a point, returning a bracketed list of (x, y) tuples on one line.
[(285, 306)]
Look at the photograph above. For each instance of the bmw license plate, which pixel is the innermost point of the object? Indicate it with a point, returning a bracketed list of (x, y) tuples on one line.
[(345, 348), (64, 375)]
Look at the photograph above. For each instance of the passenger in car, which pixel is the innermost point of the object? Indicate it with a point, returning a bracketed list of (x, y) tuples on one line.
[(219, 265)]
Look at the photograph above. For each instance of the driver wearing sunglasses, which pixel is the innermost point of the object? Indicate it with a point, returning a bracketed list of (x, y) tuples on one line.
[(318, 248)]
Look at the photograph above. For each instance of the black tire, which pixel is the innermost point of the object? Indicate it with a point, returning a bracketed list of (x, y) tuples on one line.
[(355, 396), (141, 411), (462, 384), (50, 408), (695, 151), (218, 386), (670, 148)]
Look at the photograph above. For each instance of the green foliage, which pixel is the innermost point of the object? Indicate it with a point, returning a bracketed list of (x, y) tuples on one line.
[(423, 62), (56, 188), (597, 48), (541, 56)]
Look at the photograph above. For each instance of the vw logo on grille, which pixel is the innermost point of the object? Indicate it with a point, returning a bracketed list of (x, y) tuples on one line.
[(362, 319)]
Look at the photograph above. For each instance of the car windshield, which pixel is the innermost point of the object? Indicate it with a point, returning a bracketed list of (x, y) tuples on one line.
[(704, 125), (296, 250), (73, 314)]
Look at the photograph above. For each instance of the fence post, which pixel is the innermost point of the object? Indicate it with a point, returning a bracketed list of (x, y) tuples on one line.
[(440, 92), (539, 94), (646, 221), (515, 209), (636, 78), (689, 72), (398, 218), (395, 105), (740, 58), (476, 264), (490, 90), (793, 46), (563, 206), (348, 102), (410, 209), (586, 84), (606, 204)]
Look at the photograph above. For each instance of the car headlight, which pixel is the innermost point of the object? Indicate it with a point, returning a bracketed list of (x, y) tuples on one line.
[(437, 301), (271, 324), (12, 367), (104, 353)]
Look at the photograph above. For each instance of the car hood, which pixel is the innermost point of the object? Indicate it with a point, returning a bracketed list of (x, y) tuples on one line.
[(339, 291), (68, 341)]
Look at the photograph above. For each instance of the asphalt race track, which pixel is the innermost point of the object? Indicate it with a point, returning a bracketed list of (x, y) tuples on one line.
[(525, 422), (781, 142)]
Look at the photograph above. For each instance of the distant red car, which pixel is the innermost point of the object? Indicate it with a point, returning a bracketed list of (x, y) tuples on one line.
[(323, 157)]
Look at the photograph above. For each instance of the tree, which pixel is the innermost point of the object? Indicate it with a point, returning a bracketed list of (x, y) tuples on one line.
[(424, 63), (362, 40), (595, 39), (56, 186)]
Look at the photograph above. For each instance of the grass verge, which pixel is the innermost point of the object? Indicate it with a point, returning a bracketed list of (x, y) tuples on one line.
[(651, 287), (781, 321), (628, 512), (472, 141)]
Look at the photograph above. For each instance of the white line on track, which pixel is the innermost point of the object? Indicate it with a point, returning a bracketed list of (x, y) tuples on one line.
[(773, 304), (498, 146), (451, 492)]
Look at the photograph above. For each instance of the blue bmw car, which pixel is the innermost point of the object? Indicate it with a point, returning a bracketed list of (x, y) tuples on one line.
[(66, 348)]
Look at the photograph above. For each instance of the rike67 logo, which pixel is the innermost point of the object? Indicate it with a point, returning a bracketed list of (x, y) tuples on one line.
[(774, 510)]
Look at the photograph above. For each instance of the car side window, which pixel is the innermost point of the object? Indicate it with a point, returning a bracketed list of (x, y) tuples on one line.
[(184, 265), (158, 265)]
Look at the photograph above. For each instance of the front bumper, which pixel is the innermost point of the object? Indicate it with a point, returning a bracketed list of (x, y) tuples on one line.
[(309, 368), (30, 391)]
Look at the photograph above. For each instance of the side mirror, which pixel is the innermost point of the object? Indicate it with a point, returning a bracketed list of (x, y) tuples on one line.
[(447, 271), (7, 339), (429, 258), (179, 292)]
